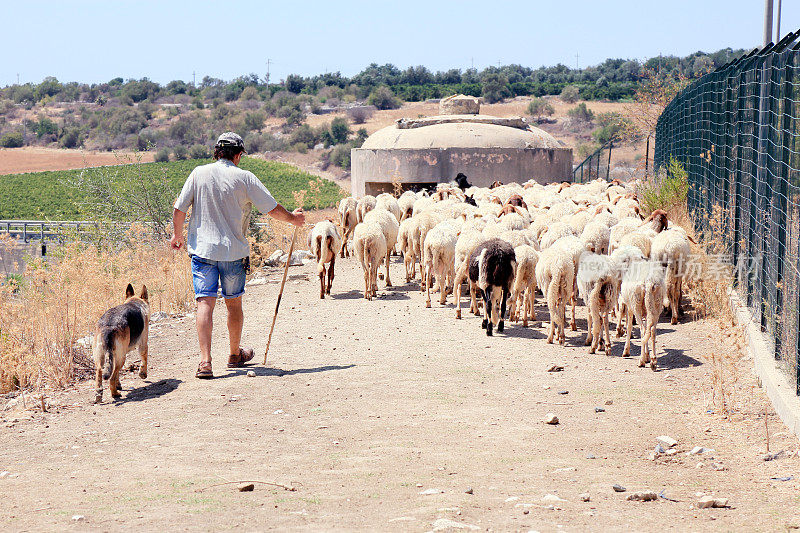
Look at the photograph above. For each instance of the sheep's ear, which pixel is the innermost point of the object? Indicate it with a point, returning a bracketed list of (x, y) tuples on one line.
[(129, 291), (143, 295)]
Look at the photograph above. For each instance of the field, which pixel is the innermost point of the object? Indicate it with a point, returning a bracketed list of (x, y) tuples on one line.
[(48, 195)]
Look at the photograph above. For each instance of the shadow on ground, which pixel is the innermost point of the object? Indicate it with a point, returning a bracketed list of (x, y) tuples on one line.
[(261, 371), (151, 391)]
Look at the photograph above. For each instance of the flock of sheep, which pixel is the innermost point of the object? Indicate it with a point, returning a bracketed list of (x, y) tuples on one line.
[(566, 240)]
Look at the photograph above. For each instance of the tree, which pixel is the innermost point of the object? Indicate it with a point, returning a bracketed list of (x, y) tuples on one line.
[(12, 139), (611, 127), (539, 108), (495, 87), (383, 98), (570, 94), (294, 83)]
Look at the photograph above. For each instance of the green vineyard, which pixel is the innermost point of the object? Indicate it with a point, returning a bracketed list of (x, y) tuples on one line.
[(52, 196)]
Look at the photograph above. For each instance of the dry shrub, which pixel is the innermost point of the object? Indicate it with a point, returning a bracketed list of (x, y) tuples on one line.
[(61, 301)]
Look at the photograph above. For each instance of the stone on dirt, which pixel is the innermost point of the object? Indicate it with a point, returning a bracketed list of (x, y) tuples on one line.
[(698, 450), (667, 441), (78, 518), (552, 498), (551, 419), (642, 496), (707, 502), (251, 374), (469, 491), (584, 497), (428, 492), (246, 487), (618, 488), (555, 368), (443, 524)]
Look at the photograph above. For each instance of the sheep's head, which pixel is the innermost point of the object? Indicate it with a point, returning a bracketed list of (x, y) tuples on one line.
[(516, 200), (659, 220), (496, 184)]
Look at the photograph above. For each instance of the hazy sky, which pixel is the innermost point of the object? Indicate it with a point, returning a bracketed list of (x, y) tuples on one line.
[(94, 41)]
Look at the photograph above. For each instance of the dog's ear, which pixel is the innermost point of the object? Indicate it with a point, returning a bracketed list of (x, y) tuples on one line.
[(143, 294), (129, 291)]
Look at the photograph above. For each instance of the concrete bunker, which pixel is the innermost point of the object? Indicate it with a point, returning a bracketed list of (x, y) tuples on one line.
[(416, 153)]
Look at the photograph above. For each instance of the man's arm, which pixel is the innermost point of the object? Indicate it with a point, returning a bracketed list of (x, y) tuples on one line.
[(296, 217), (178, 219)]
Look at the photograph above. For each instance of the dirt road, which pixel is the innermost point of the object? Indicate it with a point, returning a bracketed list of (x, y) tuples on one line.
[(388, 416)]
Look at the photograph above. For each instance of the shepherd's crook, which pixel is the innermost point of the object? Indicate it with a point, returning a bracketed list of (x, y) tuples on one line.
[(280, 294)]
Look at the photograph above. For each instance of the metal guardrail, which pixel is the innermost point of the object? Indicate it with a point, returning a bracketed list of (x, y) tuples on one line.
[(28, 230), (737, 132), (589, 168)]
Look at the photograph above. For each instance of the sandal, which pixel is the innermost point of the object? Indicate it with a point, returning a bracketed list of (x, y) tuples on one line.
[(204, 371), (238, 360)]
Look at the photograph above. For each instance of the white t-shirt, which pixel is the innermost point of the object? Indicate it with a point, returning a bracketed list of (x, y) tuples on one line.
[(221, 196)]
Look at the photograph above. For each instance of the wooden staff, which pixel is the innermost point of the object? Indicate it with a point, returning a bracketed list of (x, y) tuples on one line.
[(280, 294)]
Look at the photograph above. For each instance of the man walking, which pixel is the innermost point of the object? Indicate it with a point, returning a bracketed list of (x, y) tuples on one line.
[(221, 196)]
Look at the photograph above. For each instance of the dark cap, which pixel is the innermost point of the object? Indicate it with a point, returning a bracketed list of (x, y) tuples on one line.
[(230, 138)]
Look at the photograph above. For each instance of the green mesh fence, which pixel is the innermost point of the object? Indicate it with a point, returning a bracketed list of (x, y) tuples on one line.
[(597, 165), (736, 132)]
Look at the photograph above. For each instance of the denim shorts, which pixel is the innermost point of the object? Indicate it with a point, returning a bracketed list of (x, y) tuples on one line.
[(207, 274)]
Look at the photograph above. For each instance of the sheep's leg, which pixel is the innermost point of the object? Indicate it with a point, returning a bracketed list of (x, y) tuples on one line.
[(594, 316), (330, 274), (457, 293), (573, 325), (653, 358), (443, 295), (388, 281), (501, 324), (367, 281), (679, 292), (532, 299), (513, 316), (645, 357), (487, 306), (608, 336), (588, 341), (322, 283), (428, 286), (627, 350), (622, 313)]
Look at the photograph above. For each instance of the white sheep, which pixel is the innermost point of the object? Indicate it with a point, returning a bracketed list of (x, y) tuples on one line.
[(595, 237), (619, 230), (348, 218), (390, 227), (642, 292), (524, 290), (596, 287), (406, 204), (555, 276), (423, 224), (573, 247), (365, 205), (672, 249), (466, 243), (439, 251), (554, 233), (622, 258), (388, 202), (370, 249), (325, 244), (405, 245)]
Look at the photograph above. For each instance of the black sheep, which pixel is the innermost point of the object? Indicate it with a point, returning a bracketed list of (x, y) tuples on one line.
[(461, 181), (491, 268)]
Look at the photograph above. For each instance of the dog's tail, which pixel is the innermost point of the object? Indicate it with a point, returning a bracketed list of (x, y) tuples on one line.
[(105, 353)]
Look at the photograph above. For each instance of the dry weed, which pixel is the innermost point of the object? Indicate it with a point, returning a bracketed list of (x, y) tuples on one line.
[(60, 302)]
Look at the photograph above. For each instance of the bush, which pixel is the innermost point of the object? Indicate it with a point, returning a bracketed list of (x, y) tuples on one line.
[(44, 126), (667, 189), (340, 156), (303, 135), (198, 151), (361, 136), (570, 94), (383, 98), (581, 113), (162, 156), (339, 130), (12, 139), (254, 121), (180, 152), (539, 108), (359, 115), (612, 125), (587, 149), (70, 138)]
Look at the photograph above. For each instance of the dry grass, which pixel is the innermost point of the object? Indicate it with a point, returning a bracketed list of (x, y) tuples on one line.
[(60, 302)]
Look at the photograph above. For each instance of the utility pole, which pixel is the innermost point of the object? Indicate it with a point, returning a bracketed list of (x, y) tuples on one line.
[(767, 22), (268, 63), (576, 62), (472, 63), (778, 24), (194, 79), (17, 78)]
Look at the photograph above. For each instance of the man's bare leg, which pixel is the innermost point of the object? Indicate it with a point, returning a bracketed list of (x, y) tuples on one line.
[(235, 323), (205, 323)]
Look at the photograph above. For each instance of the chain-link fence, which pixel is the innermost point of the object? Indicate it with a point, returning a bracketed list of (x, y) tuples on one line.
[(736, 132)]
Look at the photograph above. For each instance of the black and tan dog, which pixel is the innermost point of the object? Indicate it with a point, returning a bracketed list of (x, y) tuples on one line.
[(120, 330)]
